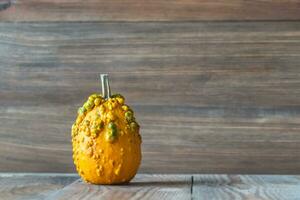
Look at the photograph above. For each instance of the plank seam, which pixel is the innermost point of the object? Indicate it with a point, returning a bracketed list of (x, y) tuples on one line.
[(153, 21), (192, 185)]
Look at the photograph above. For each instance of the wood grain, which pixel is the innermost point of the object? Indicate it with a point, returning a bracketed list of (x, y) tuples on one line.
[(152, 186), (211, 97), (141, 187), (142, 10), (32, 186), (223, 187)]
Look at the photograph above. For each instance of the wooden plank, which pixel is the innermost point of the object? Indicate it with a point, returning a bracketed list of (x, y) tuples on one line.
[(32, 186), (142, 10), (141, 187), (210, 97), (223, 187)]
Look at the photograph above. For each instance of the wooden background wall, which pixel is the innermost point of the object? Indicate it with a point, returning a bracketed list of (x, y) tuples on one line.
[(215, 84)]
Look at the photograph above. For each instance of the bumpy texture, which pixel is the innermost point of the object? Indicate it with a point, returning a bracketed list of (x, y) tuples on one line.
[(106, 141)]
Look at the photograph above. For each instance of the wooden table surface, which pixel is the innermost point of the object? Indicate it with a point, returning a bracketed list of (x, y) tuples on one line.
[(151, 186)]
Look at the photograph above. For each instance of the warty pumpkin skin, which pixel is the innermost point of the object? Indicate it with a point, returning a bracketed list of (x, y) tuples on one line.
[(106, 141)]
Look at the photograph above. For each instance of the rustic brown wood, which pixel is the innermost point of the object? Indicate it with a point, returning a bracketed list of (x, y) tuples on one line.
[(32, 186), (142, 10), (141, 187), (228, 187), (210, 97)]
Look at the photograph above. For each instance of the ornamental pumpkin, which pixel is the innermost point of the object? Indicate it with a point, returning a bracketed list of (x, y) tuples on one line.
[(106, 140)]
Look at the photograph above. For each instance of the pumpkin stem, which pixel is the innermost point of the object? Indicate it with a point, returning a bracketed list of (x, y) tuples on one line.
[(105, 86)]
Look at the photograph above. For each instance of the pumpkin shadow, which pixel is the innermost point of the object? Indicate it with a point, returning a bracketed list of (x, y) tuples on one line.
[(155, 184), (5, 4)]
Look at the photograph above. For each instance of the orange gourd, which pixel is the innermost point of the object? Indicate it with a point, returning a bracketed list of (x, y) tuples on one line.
[(106, 140)]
